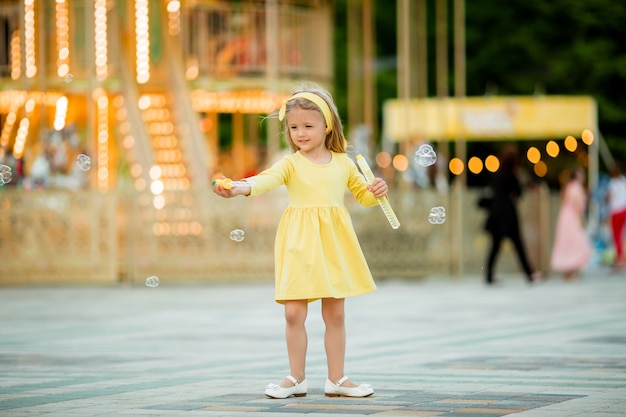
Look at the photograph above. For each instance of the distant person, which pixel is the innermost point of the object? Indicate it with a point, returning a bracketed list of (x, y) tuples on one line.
[(571, 250), (616, 198), (317, 253), (503, 220)]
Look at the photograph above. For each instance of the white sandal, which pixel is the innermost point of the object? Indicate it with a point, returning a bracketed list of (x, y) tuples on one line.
[(336, 390), (299, 389)]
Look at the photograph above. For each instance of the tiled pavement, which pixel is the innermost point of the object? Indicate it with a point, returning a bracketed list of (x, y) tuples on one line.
[(439, 347)]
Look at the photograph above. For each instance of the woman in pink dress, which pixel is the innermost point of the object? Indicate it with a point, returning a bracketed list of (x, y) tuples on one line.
[(572, 249)]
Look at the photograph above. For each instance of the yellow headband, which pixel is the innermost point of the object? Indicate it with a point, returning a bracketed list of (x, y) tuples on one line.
[(315, 99)]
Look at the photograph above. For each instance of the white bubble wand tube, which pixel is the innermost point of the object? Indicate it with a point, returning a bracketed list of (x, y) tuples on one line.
[(227, 183), (383, 202)]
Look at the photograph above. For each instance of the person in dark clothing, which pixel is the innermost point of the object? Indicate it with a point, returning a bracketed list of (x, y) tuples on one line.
[(503, 220)]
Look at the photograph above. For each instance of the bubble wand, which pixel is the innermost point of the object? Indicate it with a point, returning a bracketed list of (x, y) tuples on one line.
[(227, 183), (383, 202)]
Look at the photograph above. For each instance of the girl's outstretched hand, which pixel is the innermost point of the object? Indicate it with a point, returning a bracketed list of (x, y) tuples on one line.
[(378, 187), (225, 191)]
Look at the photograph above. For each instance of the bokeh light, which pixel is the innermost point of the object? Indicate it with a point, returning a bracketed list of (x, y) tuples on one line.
[(587, 137), (400, 162), (570, 143), (475, 165), (552, 149), (492, 163), (383, 159), (155, 172), (158, 202), (456, 166), (533, 155), (541, 169)]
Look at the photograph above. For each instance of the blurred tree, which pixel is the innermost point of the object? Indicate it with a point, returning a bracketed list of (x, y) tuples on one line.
[(556, 47), (520, 47), (385, 22)]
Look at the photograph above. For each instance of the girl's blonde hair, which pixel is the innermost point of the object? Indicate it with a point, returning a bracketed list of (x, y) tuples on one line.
[(335, 140)]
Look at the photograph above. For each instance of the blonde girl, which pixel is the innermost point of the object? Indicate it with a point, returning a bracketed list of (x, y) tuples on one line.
[(317, 254)]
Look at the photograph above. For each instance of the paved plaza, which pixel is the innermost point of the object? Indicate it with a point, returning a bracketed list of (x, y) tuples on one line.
[(436, 347)]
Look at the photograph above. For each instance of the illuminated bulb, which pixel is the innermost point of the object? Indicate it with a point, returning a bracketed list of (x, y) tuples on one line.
[(475, 165), (552, 149), (400, 162), (533, 155), (587, 137), (492, 163), (456, 166), (570, 143), (16, 55), (541, 169)]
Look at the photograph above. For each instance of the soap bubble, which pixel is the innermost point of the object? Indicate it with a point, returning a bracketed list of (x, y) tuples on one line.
[(425, 155), (68, 78), (237, 235), (6, 174), (152, 281), (437, 215), (84, 162)]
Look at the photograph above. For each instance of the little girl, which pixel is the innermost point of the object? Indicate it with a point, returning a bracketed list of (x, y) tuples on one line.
[(317, 254)]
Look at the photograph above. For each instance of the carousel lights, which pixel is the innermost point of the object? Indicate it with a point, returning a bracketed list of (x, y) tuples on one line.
[(193, 69), (101, 41), (249, 101), (7, 128), (22, 130), (159, 202), (61, 113), (29, 38), (102, 135), (16, 55), (62, 38), (20, 138), (169, 171), (142, 40), (13, 99), (29, 106), (173, 17)]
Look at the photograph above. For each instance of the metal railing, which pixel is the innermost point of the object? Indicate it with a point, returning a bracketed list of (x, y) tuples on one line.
[(223, 40), (59, 237), (227, 40)]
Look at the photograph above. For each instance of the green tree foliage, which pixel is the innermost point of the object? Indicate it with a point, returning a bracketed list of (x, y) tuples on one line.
[(522, 47), (385, 47), (553, 47)]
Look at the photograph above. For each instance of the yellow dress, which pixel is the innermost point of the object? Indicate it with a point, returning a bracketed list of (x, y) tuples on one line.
[(316, 252)]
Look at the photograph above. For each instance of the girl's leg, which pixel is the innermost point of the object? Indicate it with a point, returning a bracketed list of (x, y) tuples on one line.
[(295, 333), (335, 338)]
